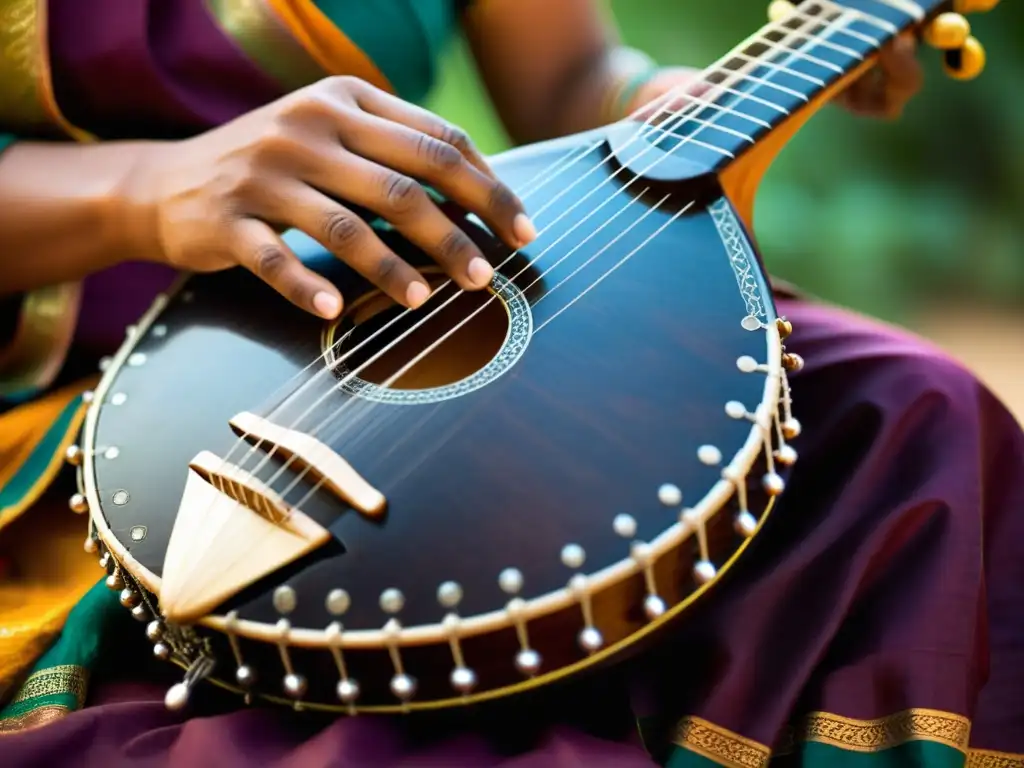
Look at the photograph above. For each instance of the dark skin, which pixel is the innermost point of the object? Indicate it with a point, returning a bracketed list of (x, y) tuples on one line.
[(221, 199)]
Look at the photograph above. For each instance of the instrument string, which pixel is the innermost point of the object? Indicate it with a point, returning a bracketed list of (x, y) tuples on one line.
[(679, 116), (300, 476)]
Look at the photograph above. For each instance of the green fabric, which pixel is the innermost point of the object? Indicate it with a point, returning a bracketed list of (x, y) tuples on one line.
[(404, 38), (6, 139), (59, 677), (24, 480), (912, 754)]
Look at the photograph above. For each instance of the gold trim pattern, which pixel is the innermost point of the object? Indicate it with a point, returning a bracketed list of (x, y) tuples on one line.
[(28, 105), (46, 327), (256, 30), (730, 749), (885, 732), (64, 679), (720, 744), (34, 719), (989, 758)]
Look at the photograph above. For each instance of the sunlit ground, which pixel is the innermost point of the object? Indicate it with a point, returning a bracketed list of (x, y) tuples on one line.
[(991, 343)]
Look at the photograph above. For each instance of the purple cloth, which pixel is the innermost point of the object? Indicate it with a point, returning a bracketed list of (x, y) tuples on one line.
[(890, 576), (116, 298)]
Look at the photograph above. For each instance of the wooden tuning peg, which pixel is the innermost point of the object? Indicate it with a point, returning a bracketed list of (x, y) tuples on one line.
[(947, 32), (779, 10), (974, 6), (967, 62)]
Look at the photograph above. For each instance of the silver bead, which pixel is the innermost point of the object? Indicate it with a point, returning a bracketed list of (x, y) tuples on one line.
[(245, 676), (510, 580), (449, 594), (403, 686), (654, 606), (129, 597), (704, 571), (670, 495), (746, 364), (162, 651), (573, 556), (140, 612), (734, 409), (90, 546), (284, 599), (528, 661), (177, 697), (348, 691), (773, 484), (463, 679), (392, 600), (154, 630), (709, 455), (745, 524), (115, 582), (78, 504), (786, 456), (624, 525), (105, 560), (73, 455), (295, 686), (590, 639), (338, 601), (88, 396)]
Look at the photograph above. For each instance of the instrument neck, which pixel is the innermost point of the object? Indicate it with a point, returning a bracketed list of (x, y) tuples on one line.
[(784, 68)]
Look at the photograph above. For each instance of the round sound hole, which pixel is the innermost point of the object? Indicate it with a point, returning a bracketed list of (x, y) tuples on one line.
[(457, 342)]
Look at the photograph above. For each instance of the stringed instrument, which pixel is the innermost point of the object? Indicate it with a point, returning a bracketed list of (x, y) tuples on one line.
[(406, 510)]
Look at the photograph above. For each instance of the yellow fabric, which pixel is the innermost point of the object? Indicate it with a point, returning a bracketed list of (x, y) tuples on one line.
[(40, 539), (327, 44)]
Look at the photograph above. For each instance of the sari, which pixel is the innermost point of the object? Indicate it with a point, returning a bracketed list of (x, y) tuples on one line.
[(876, 621)]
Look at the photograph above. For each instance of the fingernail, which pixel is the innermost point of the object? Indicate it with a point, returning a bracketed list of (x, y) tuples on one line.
[(523, 229), (416, 294), (327, 305), (479, 271)]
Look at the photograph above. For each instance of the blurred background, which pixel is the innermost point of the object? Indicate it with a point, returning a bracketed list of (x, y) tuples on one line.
[(919, 222)]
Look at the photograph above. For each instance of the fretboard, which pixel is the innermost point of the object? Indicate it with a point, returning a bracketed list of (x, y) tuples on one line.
[(780, 70)]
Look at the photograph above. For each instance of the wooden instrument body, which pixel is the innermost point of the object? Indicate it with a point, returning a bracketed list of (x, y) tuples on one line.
[(613, 369)]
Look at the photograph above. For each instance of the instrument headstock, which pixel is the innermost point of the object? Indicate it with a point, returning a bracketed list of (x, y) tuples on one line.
[(943, 26)]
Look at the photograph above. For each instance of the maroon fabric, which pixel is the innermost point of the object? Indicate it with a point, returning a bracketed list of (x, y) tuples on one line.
[(890, 576)]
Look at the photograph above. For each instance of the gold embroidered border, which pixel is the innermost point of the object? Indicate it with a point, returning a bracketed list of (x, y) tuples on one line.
[(720, 744), (885, 732), (730, 749), (257, 31), (28, 105), (65, 679), (34, 719), (988, 758)]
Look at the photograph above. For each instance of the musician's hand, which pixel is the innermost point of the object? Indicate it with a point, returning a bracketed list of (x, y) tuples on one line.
[(885, 89), (220, 199)]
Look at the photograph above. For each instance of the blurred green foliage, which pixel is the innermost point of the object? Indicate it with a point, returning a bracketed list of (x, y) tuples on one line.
[(878, 216)]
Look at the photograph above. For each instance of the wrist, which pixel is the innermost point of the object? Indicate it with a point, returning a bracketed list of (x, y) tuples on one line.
[(630, 71), (130, 209)]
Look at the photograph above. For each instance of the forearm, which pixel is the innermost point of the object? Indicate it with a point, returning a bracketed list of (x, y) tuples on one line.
[(63, 214), (601, 93)]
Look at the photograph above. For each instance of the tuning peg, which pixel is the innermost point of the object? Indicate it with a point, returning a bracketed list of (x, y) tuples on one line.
[(947, 32), (779, 10), (974, 6), (967, 62)]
